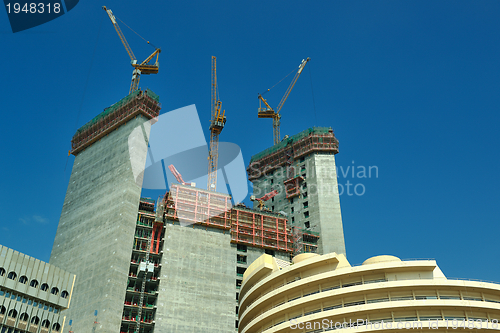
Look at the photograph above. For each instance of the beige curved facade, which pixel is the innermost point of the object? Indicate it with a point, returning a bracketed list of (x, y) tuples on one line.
[(325, 293)]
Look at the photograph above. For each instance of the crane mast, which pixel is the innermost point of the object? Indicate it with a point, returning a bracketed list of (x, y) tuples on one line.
[(216, 125), (142, 68), (268, 111)]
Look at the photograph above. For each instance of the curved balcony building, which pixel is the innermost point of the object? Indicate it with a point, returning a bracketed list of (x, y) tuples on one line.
[(384, 294)]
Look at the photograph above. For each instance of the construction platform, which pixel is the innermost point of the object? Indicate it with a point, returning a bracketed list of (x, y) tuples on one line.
[(316, 139), (143, 102), (257, 228)]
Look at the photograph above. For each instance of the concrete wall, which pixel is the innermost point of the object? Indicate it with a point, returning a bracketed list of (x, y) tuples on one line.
[(324, 204), (197, 286), (96, 229)]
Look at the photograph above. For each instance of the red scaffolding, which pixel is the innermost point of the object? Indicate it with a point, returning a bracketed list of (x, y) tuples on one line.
[(280, 155), (211, 209), (193, 205), (260, 229)]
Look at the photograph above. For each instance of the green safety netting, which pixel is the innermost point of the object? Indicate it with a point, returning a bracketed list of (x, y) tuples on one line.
[(109, 110), (290, 140), (153, 95)]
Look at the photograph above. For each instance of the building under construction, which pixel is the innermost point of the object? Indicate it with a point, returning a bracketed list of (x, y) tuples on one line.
[(176, 264), (302, 169)]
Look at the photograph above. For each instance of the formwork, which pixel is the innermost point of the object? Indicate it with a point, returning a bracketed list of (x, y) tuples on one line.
[(192, 205), (211, 209), (138, 102), (316, 139), (260, 229)]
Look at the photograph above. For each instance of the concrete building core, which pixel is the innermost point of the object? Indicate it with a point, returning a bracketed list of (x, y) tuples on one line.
[(32, 294), (98, 220), (302, 169), (324, 293)]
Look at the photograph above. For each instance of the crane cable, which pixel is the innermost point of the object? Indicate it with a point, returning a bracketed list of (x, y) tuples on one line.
[(86, 85), (137, 33), (279, 82)]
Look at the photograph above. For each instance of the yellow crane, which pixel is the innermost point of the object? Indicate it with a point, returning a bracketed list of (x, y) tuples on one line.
[(142, 68), (268, 111), (216, 125)]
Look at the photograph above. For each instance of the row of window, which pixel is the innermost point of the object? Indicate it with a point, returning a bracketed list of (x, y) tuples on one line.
[(28, 301), (25, 317), (33, 283)]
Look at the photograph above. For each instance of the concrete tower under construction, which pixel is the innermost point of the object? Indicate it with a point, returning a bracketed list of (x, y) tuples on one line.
[(302, 169), (98, 220)]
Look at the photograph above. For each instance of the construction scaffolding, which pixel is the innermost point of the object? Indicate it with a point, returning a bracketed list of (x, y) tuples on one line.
[(190, 205), (212, 209), (304, 241), (138, 102), (316, 139), (260, 229)]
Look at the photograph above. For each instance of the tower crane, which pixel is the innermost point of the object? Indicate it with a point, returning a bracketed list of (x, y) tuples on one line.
[(263, 198), (268, 111), (216, 126), (142, 68)]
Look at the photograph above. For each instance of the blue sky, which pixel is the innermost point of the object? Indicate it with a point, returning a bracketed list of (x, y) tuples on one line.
[(410, 87)]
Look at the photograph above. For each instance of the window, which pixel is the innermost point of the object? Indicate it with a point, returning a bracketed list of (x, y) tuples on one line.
[(236, 310), (2, 271), (304, 195), (291, 200), (306, 214), (272, 199), (292, 210), (293, 219), (241, 259), (306, 204), (46, 323), (302, 159), (304, 186), (54, 291), (272, 181), (237, 296), (240, 271), (236, 324), (270, 252), (302, 167), (272, 208), (56, 327), (24, 317), (239, 247), (35, 320), (34, 283), (307, 224), (44, 287), (23, 279), (2, 310), (12, 275), (238, 283), (12, 313)]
